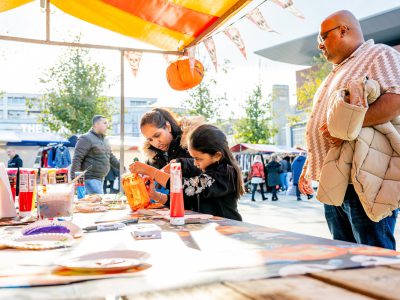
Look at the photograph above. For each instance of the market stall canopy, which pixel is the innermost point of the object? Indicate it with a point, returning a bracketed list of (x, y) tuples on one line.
[(263, 148), (36, 139), (167, 24), (8, 136)]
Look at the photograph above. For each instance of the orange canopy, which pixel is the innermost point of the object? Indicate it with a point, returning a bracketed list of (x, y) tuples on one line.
[(167, 24)]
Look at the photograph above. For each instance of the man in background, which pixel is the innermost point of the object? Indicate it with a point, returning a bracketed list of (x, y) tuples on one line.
[(93, 151)]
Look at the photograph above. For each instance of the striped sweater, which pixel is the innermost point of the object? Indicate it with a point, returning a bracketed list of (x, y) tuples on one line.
[(378, 62)]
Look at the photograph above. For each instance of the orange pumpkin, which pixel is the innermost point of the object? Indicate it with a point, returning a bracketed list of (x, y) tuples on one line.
[(181, 77)]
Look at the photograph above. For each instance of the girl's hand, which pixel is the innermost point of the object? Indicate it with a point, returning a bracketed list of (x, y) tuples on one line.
[(141, 168), (152, 191)]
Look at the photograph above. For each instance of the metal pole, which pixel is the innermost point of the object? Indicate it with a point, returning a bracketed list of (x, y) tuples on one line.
[(122, 122), (80, 45), (47, 20)]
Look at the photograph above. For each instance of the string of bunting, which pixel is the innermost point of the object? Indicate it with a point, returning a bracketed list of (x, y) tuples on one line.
[(255, 16)]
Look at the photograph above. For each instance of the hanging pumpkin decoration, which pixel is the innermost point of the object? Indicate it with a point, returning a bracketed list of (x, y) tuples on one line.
[(181, 77)]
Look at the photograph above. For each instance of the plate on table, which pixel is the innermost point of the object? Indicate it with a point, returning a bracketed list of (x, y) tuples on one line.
[(113, 260), (43, 241)]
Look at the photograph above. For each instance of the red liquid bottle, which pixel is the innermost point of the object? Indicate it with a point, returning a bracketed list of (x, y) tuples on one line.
[(177, 209)]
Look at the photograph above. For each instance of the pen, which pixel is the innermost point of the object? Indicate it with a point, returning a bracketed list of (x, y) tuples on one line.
[(105, 227)]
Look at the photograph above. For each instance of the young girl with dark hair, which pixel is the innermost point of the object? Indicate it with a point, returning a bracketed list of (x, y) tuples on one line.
[(212, 176)]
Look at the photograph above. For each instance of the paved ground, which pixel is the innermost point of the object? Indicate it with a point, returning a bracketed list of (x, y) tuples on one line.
[(306, 217)]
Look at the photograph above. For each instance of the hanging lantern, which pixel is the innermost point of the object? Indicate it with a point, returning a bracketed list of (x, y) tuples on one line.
[(181, 77)]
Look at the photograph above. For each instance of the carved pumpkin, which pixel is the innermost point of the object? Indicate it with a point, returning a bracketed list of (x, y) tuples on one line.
[(180, 77)]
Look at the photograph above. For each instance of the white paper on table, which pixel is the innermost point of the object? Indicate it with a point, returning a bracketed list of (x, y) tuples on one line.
[(7, 208)]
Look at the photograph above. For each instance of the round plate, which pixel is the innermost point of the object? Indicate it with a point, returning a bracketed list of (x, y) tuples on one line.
[(39, 241), (74, 229), (113, 260)]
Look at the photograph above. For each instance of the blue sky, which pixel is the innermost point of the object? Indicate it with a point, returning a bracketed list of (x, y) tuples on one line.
[(21, 65)]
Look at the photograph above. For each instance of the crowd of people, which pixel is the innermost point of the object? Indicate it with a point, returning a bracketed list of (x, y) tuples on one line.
[(281, 173)]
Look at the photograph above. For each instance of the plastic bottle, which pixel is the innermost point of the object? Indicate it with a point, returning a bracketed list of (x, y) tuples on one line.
[(177, 209)]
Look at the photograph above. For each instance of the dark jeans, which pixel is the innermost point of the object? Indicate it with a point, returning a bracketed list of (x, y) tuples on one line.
[(274, 190), (297, 190), (350, 223), (253, 192)]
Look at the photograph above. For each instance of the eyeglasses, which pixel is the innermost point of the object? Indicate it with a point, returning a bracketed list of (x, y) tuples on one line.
[(322, 37)]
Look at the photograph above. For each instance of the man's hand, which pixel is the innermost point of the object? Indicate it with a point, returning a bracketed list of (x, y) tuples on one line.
[(334, 142), (305, 186)]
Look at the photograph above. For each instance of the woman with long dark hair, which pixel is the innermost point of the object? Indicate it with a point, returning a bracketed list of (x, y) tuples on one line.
[(218, 185)]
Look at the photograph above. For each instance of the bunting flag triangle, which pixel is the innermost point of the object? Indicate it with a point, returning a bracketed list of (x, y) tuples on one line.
[(283, 3), (133, 57), (191, 53), (257, 18), (235, 37), (288, 5), (212, 51), (295, 11)]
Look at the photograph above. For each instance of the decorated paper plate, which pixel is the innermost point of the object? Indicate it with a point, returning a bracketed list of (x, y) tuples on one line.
[(84, 208), (114, 260), (117, 206), (52, 226), (39, 241)]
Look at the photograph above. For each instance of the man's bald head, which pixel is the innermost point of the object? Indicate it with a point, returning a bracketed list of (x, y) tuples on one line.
[(344, 17), (340, 35)]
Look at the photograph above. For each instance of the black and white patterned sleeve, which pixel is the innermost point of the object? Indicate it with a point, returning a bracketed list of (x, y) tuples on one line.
[(196, 185)]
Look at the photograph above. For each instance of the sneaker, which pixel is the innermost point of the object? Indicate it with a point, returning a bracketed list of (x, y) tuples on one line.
[(310, 196), (298, 199), (265, 199), (253, 200)]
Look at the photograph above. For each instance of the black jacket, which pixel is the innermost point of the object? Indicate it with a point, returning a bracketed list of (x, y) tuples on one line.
[(274, 169), (213, 189), (93, 150), (160, 159), (15, 162)]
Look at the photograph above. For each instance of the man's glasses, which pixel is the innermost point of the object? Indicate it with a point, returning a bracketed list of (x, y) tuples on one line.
[(323, 36)]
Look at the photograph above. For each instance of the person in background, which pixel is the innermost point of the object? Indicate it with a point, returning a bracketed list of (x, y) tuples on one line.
[(93, 151), (257, 177), (212, 175), (274, 170), (109, 180), (285, 166), (297, 167), (15, 162)]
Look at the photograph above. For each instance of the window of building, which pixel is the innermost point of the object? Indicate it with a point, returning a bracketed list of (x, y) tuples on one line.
[(16, 114), (16, 100), (298, 135), (136, 102), (33, 114)]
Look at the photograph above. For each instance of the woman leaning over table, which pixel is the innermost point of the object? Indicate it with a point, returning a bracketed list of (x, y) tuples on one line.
[(166, 141)]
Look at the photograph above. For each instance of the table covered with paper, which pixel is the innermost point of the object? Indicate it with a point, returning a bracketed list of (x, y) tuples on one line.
[(151, 256)]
